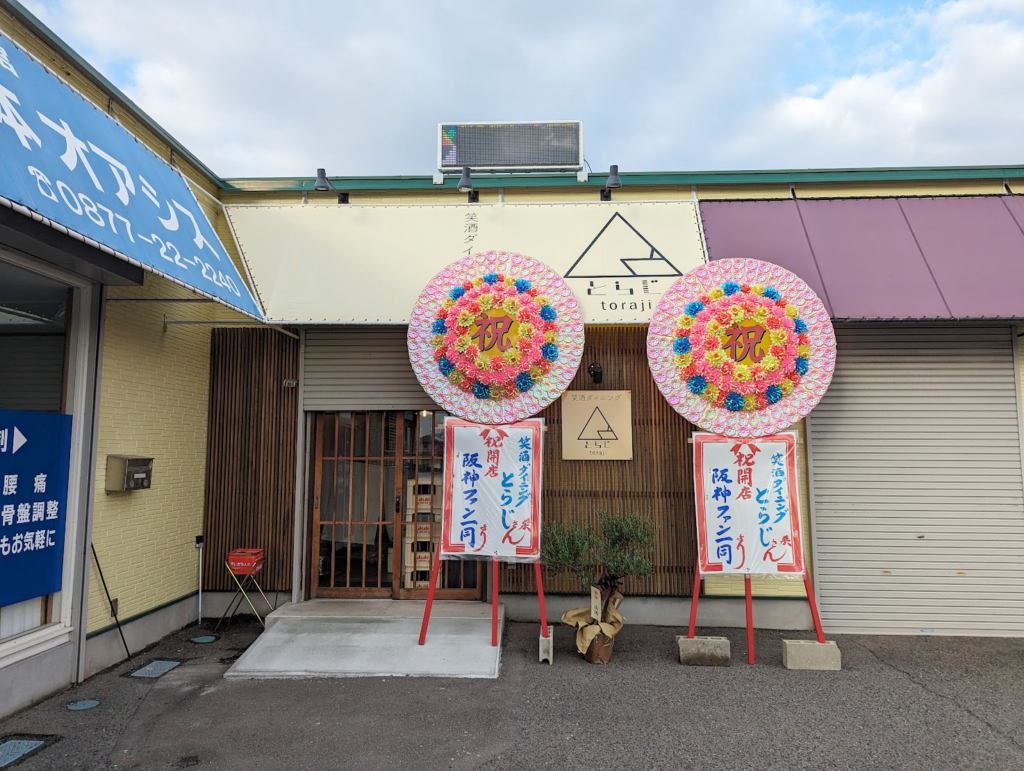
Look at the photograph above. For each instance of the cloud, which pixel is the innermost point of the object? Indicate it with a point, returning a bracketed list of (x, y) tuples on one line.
[(960, 106), (262, 88)]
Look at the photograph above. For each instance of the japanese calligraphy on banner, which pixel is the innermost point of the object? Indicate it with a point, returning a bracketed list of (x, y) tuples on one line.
[(492, 484), (747, 507), (35, 457), (70, 162)]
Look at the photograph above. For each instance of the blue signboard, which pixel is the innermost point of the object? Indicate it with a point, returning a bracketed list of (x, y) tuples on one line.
[(35, 458), (63, 158)]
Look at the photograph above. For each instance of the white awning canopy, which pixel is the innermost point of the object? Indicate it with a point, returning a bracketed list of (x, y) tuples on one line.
[(351, 264)]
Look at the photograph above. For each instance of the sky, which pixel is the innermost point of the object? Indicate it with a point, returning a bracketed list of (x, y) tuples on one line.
[(256, 88)]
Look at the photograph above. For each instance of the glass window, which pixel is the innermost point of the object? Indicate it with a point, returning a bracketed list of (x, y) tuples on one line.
[(33, 337)]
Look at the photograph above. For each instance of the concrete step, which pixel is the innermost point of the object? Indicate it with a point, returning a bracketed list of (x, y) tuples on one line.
[(335, 638), (380, 609)]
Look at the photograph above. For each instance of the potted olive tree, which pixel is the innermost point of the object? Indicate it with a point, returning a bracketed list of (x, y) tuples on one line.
[(600, 558)]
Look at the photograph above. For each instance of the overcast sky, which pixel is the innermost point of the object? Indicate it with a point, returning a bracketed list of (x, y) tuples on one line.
[(271, 88)]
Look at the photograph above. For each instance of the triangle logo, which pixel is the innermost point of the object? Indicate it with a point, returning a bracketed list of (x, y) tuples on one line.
[(620, 251), (597, 428)]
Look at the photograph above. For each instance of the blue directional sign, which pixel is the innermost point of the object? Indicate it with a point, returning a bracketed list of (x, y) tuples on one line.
[(35, 459), (62, 157)]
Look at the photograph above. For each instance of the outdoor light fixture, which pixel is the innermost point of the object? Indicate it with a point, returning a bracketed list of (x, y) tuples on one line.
[(322, 182), (595, 371), (424, 413), (613, 182), (465, 183)]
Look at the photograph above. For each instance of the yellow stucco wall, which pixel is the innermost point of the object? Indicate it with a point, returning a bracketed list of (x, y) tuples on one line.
[(908, 188), (154, 400)]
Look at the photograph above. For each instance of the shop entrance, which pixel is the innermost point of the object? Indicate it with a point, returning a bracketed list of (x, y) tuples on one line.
[(377, 498)]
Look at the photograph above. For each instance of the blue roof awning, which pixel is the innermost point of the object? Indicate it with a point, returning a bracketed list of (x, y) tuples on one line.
[(73, 165)]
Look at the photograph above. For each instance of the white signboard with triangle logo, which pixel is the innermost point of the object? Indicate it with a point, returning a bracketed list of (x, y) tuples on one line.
[(597, 425), (369, 264)]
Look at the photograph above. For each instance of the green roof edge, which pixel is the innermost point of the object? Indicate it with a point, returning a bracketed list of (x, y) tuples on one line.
[(741, 177), (26, 17)]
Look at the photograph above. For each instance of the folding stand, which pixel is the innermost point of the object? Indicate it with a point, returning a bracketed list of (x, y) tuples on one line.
[(248, 579), (749, 602), (494, 600)]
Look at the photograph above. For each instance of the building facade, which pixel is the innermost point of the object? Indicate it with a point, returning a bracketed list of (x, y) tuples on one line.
[(910, 468), (304, 431)]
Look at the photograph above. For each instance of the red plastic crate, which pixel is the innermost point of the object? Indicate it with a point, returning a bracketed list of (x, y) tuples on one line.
[(244, 562)]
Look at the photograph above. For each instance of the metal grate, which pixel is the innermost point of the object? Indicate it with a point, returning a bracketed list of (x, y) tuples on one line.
[(155, 669), (511, 146), (15, 749), (78, 706)]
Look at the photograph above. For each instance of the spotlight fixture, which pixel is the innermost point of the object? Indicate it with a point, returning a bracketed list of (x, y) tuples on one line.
[(596, 373), (613, 180), (465, 183), (322, 183)]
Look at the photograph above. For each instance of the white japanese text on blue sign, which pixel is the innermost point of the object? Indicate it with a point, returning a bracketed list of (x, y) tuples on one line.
[(65, 159), (35, 453)]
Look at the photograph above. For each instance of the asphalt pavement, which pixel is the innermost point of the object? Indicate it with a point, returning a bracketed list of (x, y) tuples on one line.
[(899, 702)]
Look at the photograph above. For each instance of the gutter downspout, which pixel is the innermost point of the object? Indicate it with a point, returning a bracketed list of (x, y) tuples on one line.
[(83, 584)]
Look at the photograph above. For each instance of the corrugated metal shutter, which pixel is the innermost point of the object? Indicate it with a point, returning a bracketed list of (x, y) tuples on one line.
[(31, 372), (917, 483), (360, 369)]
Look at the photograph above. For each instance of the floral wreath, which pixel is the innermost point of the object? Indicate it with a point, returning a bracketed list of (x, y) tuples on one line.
[(496, 337), (502, 302), (753, 322), (742, 347)]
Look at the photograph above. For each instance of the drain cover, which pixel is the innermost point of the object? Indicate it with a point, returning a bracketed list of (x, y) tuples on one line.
[(84, 704), (206, 638), (16, 749), (155, 668)]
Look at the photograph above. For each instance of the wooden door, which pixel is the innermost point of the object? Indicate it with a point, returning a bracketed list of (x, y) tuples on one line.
[(377, 508)]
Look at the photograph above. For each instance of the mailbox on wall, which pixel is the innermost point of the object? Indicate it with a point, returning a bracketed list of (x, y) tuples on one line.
[(126, 473)]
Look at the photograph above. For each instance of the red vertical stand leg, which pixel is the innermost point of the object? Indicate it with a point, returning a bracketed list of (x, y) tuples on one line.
[(750, 618), (540, 600), (814, 608), (430, 595), (694, 600), (494, 602)]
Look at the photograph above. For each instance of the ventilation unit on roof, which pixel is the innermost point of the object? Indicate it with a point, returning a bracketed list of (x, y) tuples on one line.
[(554, 146)]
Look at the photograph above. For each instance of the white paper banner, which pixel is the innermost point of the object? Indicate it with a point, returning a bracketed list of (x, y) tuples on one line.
[(747, 507), (492, 484)]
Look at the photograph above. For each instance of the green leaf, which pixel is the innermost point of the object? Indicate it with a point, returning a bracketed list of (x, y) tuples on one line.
[(620, 547)]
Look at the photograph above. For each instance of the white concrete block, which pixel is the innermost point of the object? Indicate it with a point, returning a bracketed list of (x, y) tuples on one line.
[(704, 651), (811, 654), (547, 646)]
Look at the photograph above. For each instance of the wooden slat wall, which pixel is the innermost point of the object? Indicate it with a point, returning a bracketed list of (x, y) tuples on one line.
[(250, 478), (658, 482)]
